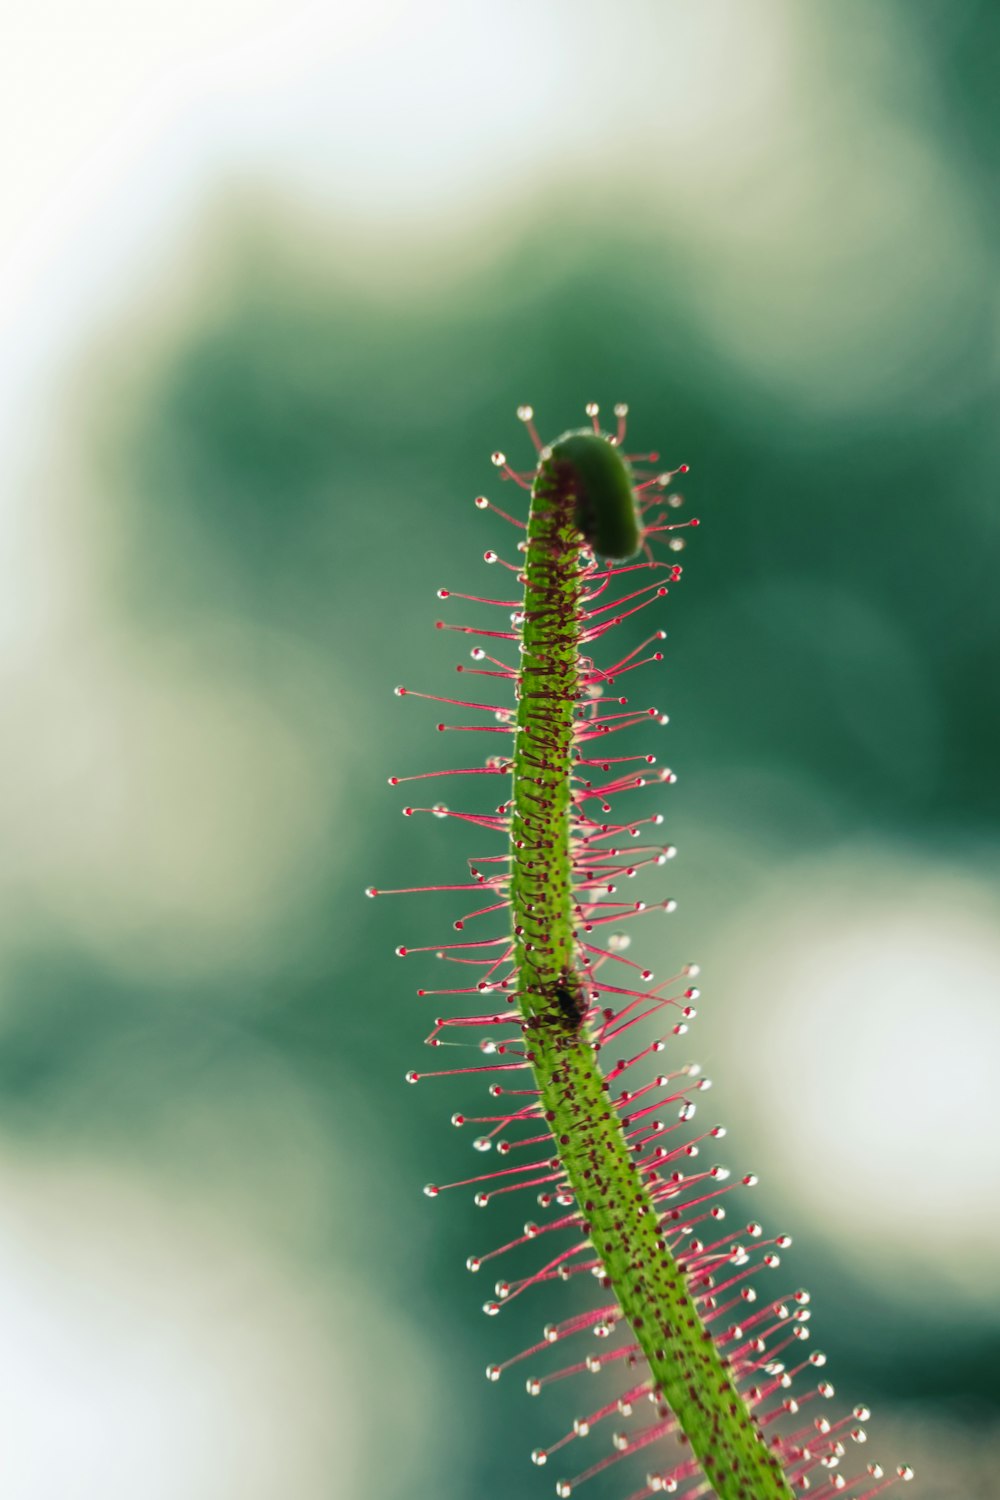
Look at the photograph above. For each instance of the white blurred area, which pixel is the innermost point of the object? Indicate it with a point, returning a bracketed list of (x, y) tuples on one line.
[(862, 1028), (153, 1347), (787, 143)]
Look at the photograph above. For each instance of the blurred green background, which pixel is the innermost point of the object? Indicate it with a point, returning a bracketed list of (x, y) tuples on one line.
[(274, 277)]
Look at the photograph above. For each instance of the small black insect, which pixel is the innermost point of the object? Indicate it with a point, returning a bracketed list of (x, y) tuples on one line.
[(570, 1000)]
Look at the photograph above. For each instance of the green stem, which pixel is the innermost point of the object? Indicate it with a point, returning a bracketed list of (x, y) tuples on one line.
[(616, 1204)]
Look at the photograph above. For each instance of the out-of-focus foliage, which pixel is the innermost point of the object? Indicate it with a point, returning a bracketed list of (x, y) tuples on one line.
[(225, 535)]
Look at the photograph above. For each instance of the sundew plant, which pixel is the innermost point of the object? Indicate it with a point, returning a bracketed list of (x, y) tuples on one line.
[(586, 1106)]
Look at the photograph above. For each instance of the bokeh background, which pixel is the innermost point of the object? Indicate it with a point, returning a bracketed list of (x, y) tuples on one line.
[(273, 277)]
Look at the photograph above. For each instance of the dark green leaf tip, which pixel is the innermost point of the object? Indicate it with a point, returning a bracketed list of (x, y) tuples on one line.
[(606, 510)]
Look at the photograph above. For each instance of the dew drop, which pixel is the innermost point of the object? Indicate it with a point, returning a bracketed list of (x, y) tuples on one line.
[(533, 1385), (493, 1373), (592, 409), (862, 1413), (817, 1358), (481, 1200), (490, 556), (525, 413), (473, 1263), (491, 1309), (370, 890), (498, 458), (564, 1489), (431, 1190), (539, 1456), (621, 408), (401, 952), (905, 1472), (876, 1471), (482, 1143), (412, 1077), (750, 1180)]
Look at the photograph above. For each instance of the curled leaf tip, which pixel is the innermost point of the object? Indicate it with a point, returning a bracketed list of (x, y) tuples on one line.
[(607, 514)]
